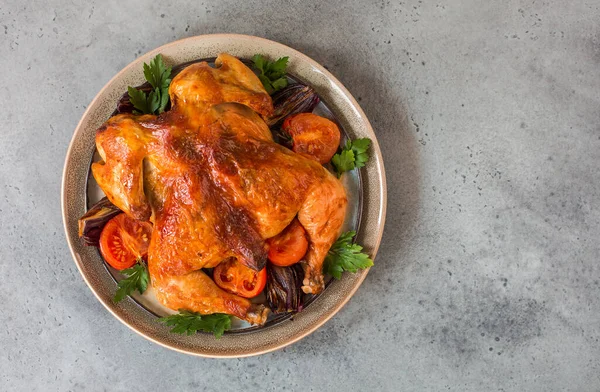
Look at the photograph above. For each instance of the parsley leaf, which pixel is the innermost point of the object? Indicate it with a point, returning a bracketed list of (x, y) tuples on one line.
[(279, 83), (157, 74), (259, 62), (272, 73), (353, 156), (139, 100), (345, 256), (360, 147), (159, 77), (186, 322), (277, 69), (137, 279), (343, 161)]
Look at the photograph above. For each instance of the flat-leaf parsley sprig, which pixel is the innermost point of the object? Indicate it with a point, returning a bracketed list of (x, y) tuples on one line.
[(346, 256), (186, 322), (137, 278), (272, 73), (353, 156), (159, 77)]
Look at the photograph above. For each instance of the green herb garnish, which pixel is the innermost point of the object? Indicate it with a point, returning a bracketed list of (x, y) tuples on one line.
[(343, 162), (159, 77), (137, 279), (272, 73), (345, 256), (186, 322), (353, 155)]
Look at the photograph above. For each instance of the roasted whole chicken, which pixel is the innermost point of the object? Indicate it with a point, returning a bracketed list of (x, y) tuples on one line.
[(215, 185)]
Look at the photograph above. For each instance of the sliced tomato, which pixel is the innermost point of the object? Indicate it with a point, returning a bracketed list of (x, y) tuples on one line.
[(313, 136), (124, 240), (236, 278), (289, 246)]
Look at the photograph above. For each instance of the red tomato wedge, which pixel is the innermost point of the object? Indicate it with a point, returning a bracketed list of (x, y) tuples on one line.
[(236, 278), (289, 246), (124, 240), (313, 136)]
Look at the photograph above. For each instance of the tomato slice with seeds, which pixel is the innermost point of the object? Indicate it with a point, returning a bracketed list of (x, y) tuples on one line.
[(314, 137), (289, 246), (123, 240), (236, 278)]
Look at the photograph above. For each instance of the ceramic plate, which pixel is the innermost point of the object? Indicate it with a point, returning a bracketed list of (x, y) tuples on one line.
[(366, 190)]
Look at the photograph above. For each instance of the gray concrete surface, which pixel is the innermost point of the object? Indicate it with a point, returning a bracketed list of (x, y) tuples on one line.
[(488, 275)]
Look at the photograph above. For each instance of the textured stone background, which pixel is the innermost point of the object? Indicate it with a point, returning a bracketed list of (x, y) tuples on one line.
[(487, 277)]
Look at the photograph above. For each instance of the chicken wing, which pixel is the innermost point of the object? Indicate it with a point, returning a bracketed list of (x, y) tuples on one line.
[(200, 86), (123, 143), (214, 183)]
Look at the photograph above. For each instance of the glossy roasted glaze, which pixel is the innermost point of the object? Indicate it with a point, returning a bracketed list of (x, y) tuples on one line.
[(215, 185)]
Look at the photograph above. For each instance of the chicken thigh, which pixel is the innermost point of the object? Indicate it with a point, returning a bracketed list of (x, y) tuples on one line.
[(209, 176)]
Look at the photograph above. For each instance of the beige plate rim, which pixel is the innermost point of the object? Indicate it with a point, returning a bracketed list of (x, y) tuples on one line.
[(377, 170)]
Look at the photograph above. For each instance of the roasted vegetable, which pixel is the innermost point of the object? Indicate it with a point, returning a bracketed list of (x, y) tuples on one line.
[(234, 277), (284, 288), (295, 98), (125, 240), (92, 223), (289, 246), (314, 137)]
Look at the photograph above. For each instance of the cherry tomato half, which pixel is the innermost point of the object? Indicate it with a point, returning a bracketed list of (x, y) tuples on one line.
[(313, 136), (123, 240), (236, 278), (289, 246)]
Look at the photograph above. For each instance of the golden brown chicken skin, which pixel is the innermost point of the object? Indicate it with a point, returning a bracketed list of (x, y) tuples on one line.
[(215, 185)]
